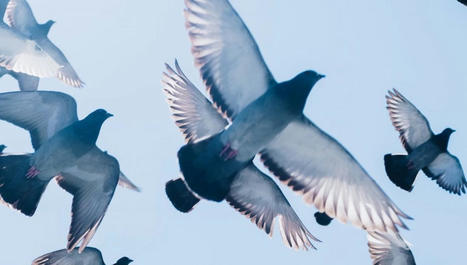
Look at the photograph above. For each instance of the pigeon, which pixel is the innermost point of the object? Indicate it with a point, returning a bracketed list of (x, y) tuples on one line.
[(90, 256), (301, 155), (251, 192), (31, 55), (389, 249), (426, 151), (65, 148)]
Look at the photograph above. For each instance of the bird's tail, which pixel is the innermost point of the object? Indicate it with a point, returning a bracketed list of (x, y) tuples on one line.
[(16, 189), (180, 196), (400, 171)]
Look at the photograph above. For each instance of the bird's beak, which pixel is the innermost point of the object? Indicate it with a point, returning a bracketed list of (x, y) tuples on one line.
[(321, 76), (109, 115)]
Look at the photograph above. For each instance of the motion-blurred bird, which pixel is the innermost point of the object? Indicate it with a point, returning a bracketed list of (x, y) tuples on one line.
[(301, 155), (389, 249), (90, 256), (26, 53), (64, 148), (426, 151)]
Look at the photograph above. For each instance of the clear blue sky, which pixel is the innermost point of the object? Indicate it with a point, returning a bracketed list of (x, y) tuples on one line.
[(363, 47)]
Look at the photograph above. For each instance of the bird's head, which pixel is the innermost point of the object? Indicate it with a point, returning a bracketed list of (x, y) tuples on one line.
[(91, 125), (446, 133), (124, 261), (45, 28), (443, 138), (301, 85)]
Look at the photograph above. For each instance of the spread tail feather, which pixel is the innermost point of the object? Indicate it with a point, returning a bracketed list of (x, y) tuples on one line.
[(399, 171), (180, 196), (18, 191)]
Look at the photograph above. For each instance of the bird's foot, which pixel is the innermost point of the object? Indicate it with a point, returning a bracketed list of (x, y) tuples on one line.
[(410, 165), (228, 152), (32, 172)]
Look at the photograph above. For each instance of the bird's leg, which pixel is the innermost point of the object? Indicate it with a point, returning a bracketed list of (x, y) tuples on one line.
[(410, 165), (228, 152), (32, 172)]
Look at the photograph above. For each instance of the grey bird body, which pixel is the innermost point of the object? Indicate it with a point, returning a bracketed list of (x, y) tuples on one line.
[(426, 151), (65, 149), (39, 57), (90, 256)]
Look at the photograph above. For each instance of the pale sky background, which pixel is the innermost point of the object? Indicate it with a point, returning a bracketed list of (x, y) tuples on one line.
[(364, 48)]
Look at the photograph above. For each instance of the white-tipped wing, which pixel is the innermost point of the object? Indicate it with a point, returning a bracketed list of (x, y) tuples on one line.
[(314, 164), (389, 249), (62, 257), (412, 126), (226, 54), (42, 113), (193, 113), (19, 16), (21, 55), (66, 73), (256, 196), (447, 171), (125, 182), (92, 182)]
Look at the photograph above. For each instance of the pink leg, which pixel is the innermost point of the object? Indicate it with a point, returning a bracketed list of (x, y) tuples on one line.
[(32, 172), (228, 152)]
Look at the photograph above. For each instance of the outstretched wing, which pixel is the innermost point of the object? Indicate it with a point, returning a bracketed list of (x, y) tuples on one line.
[(42, 113), (226, 54), (66, 73), (92, 182), (389, 249), (447, 171), (19, 16), (314, 164), (22, 55), (193, 113), (412, 126), (256, 196), (62, 257)]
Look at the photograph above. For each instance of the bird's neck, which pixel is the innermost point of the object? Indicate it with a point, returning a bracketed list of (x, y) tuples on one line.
[(442, 141)]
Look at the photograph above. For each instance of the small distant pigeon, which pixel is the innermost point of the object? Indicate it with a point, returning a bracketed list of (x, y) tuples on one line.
[(26, 53), (389, 249), (65, 149), (301, 155), (426, 151), (90, 256)]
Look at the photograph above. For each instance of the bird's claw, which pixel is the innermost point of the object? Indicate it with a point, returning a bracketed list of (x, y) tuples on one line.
[(32, 172), (228, 152)]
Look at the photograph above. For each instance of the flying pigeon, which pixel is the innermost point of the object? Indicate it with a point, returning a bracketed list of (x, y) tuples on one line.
[(426, 151), (90, 256), (29, 54), (65, 149), (250, 191), (302, 156), (389, 249)]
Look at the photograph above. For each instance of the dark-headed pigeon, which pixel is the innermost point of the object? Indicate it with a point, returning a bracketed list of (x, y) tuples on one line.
[(389, 249), (90, 256), (29, 54), (301, 155), (65, 148), (250, 192), (426, 151)]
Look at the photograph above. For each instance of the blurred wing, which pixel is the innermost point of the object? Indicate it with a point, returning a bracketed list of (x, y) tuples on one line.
[(125, 182), (3, 5), (42, 113), (314, 164), (62, 257), (389, 249), (66, 74), (22, 55), (447, 171), (193, 113), (26, 82), (412, 126), (19, 16), (226, 54), (256, 196), (92, 182)]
